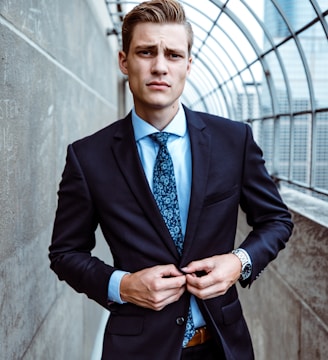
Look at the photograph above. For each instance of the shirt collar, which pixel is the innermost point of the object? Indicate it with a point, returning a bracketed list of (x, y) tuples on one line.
[(178, 125)]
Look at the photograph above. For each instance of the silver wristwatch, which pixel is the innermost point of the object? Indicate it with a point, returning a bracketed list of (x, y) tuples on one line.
[(246, 263)]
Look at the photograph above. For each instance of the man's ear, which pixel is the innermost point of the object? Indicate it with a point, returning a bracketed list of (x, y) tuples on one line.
[(122, 61), (189, 65)]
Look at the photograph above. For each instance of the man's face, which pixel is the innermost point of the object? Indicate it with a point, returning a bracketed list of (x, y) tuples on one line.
[(157, 66)]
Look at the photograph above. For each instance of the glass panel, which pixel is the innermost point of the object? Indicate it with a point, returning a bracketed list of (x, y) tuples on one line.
[(279, 83), (321, 151), (212, 103), (274, 22), (221, 40), (257, 71), (266, 101), (199, 35), (246, 76), (283, 143), (256, 88), (229, 92), (198, 74), (247, 99), (323, 5), (296, 76), (301, 149), (196, 16), (272, 85), (190, 97), (247, 18), (207, 7), (221, 61), (267, 132), (227, 95), (315, 46), (241, 42), (256, 128), (209, 71), (297, 12), (223, 107)]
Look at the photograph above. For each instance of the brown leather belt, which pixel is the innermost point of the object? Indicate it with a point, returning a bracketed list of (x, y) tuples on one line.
[(201, 336)]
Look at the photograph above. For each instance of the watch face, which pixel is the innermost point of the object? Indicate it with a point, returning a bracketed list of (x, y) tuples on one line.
[(246, 271)]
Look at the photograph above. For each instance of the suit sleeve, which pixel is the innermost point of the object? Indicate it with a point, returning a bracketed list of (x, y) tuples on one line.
[(265, 211), (73, 236)]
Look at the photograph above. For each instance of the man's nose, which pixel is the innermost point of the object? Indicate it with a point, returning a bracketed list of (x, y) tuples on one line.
[(159, 64)]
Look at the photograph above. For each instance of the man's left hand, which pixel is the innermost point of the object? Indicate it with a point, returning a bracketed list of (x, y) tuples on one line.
[(211, 277)]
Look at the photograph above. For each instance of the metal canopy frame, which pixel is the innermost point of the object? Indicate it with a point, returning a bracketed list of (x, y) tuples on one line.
[(266, 66)]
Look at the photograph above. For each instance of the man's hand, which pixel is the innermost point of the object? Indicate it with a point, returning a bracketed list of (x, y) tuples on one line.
[(212, 276), (154, 287)]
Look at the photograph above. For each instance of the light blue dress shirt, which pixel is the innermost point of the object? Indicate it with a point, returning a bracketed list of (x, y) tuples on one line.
[(179, 147)]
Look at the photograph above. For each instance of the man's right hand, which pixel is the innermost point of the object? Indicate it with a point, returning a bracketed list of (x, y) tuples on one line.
[(154, 287)]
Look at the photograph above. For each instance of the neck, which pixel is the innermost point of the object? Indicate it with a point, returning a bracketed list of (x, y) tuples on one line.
[(159, 118)]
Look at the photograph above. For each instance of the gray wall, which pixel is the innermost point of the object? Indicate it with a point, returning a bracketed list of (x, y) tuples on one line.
[(58, 79), (286, 308)]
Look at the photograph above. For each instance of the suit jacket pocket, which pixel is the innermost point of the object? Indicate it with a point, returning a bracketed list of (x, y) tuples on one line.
[(232, 312), (125, 325), (217, 197)]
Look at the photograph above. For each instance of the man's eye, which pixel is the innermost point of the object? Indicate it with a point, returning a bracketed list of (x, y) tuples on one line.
[(175, 56), (145, 52)]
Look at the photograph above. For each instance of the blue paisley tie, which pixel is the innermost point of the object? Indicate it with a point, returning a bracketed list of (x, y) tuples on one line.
[(166, 196)]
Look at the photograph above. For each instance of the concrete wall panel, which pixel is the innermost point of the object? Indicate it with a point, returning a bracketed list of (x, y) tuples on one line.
[(58, 79), (42, 110), (314, 337), (27, 293), (304, 264), (286, 308), (273, 316), (60, 342), (67, 31)]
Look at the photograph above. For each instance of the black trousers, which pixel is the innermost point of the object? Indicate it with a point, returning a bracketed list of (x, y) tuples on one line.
[(208, 351)]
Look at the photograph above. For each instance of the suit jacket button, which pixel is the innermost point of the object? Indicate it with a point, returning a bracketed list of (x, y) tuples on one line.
[(180, 320)]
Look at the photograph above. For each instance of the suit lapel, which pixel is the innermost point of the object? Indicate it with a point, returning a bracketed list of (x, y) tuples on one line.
[(200, 147), (127, 157)]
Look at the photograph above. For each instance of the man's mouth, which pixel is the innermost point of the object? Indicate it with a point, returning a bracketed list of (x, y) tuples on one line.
[(159, 84)]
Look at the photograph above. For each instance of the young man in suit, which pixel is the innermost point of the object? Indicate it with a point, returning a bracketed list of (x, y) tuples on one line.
[(171, 292)]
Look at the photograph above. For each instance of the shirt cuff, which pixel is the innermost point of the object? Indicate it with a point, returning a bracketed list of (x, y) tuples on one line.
[(114, 286)]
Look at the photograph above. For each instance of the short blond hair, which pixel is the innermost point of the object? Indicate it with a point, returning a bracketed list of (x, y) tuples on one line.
[(155, 11)]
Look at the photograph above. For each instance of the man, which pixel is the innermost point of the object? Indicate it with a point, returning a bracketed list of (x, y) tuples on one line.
[(171, 292)]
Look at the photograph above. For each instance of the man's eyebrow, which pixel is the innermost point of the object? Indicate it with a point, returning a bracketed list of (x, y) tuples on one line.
[(175, 50), (146, 47), (154, 48)]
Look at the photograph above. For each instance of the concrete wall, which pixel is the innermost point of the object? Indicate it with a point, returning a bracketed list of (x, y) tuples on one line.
[(286, 308), (58, 76)]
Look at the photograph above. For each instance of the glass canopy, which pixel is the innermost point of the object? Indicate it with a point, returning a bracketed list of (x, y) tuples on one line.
[(263, 62)]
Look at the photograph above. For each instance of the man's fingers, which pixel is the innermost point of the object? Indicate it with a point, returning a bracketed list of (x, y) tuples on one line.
[(199, 267), (168, 271), (222, 271), (154, 287)]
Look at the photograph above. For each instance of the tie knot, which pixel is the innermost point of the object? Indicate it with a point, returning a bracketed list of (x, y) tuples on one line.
[(160, 137)]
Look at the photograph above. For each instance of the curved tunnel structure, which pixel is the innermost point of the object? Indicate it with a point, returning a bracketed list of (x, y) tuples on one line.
[(264, 63)]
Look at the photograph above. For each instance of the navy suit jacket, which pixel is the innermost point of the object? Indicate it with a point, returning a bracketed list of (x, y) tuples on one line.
[(103, 184)]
